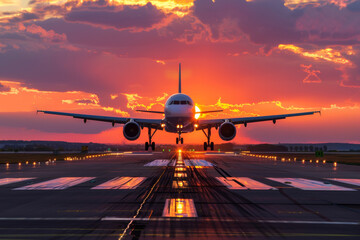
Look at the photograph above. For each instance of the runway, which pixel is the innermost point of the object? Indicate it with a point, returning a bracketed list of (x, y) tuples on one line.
[(187, 195)]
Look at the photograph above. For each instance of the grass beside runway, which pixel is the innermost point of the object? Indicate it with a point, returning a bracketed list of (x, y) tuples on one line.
[(16, 158), (351, 158)]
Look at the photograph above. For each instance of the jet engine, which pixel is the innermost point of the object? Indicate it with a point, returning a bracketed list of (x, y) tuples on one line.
[(227, 131), (131, 131)]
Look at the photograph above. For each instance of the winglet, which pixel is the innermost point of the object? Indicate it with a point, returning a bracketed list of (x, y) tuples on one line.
[(179, 77)]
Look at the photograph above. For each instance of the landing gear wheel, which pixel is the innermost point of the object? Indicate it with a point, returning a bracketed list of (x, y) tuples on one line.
[(205, 146), (153, 146), (182, 141), (212, 146), (146, 146), (177, 140)]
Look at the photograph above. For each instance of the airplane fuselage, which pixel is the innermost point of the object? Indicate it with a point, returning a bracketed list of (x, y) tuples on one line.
[(179, 114)]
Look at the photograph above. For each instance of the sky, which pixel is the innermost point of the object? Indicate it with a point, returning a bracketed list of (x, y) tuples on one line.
[(247, 57)]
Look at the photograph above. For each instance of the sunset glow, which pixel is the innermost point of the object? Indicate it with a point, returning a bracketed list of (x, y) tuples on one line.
[(114, 57)]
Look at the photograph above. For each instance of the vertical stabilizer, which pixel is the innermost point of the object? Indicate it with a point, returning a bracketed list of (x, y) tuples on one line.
[(179, 77)]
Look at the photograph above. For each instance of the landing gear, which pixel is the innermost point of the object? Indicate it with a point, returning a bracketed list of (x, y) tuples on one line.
[(179, 139), (208, 143), (211, 145), (150, 143)]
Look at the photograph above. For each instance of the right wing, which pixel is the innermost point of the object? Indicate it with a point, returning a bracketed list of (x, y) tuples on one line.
[(153, 123), (206, 123)]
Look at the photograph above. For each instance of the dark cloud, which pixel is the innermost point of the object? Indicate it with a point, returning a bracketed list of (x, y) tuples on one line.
[(23, 17), (118, 17), (271, 23), (354, 6), (264, 22), (4, 88), (330, 25)]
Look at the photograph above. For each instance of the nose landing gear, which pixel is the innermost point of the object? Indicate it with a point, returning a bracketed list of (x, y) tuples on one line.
[(181, 140)]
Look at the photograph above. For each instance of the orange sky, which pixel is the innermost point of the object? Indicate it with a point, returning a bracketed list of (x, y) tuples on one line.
[(248, 58)]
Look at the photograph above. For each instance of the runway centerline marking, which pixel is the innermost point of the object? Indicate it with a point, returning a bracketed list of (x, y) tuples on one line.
[(245, 183), (4, 181), (56, 184), (355, 182), (121, 183), (307, 184)]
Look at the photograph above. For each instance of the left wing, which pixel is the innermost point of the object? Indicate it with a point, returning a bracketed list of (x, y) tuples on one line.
[(153, 123), (206, 123)]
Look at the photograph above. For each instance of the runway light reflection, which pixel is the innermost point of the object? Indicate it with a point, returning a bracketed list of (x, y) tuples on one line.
[(180, 175), (179, 207)]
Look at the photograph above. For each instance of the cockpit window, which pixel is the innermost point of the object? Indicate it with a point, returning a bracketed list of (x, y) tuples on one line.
[(189, 103), (176, 102), (183, 103)]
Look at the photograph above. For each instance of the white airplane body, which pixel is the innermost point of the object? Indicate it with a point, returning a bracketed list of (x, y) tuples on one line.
[(179, 118)]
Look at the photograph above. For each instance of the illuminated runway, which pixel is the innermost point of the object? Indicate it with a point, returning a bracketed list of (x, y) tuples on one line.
[(180, 196)]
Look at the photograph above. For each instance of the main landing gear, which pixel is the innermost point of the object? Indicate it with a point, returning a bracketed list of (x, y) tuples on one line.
[(208, 143), (179, 139), (150, 143)]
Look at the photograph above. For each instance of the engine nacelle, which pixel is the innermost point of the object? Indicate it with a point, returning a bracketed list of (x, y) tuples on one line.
[(131, 131), (227, 131)]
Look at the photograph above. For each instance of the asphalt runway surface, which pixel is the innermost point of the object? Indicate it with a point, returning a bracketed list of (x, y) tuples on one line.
[(180, 196)]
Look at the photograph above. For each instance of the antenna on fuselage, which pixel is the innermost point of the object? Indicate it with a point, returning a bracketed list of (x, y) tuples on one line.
[(179, 77)]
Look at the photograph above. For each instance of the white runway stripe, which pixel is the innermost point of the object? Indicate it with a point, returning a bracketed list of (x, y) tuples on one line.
[(307, 184), (355, 182), (243, 183), (4, 181), (198, 162), (160, 163), (56, 184), (121, 183)]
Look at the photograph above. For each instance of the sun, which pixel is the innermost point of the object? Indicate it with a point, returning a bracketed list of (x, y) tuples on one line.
[(197, 110)]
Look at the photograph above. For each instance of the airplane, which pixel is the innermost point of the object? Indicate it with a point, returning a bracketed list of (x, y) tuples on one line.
[(180, 116)]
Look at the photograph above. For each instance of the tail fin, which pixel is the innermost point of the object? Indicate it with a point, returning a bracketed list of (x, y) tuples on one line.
[(179, 77)]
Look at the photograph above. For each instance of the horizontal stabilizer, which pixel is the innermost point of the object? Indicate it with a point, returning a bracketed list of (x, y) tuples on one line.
[(159, 112)]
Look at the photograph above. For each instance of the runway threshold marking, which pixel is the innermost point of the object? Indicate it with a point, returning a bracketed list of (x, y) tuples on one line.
[(197, 163), (121, 183), (179, 207), (4, 181), (56, 184), (243, 183), (160, 163), (307, 184), (355, 182)]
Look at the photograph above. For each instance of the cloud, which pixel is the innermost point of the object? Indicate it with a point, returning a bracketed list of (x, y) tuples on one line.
[(4, 88), (264, 22), (312, 75), (122, 17)]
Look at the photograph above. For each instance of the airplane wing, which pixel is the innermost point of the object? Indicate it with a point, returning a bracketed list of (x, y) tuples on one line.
[(153, 123), (206, 123)]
